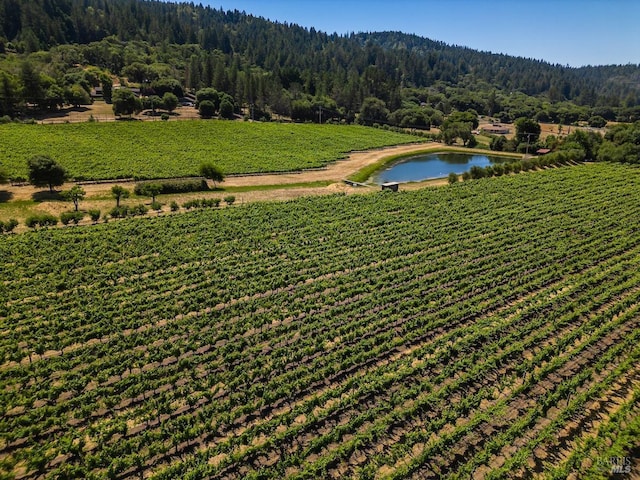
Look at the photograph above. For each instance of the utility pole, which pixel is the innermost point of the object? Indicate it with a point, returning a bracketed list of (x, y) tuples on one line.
[(528, 138)]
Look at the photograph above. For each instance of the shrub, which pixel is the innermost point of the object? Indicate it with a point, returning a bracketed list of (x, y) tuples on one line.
[(174, 206), (477, 172), (544, 161), (119, 212), (498, 143), (65, 217), (8, 226), (41, 220), (95, 215), (597, 121), (189, 204), (206, 109), (47, 220), (452, 178), (137, 210), (210, 202), (226, 109), (157, 206), (229, 199), (201, 202), (164, 116), (77, 217)]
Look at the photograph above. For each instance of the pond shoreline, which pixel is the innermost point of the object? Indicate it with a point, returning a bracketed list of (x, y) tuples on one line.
[(419, 171)]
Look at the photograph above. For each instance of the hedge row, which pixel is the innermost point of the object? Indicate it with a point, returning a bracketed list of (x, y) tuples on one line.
[(174, 186)]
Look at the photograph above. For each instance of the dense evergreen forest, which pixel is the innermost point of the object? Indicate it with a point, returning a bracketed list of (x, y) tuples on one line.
[(52, 52)]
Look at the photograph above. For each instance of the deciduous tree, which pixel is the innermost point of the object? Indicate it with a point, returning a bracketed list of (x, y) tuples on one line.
[(125, 102), (373, 111), (210, 95), (54, 97), (469, 116), (152, 190), (527, 130), (44, 171), (75, 194), (453, 130), (76, 96), (206, 109), (212, 172), (10, 95), (119, 193), (170, 101), (597, 121)]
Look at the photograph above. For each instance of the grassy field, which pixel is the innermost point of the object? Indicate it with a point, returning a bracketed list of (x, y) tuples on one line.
[(175, 149), (489, 329)]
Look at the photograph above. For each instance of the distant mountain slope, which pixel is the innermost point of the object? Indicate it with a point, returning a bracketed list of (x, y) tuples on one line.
[(453, 63), (320, 63)]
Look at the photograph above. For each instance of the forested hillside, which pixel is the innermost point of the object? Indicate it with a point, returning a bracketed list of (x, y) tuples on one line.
[(287, 69)]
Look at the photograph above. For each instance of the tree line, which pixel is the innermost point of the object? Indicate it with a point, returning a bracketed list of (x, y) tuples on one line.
[(55, 51)]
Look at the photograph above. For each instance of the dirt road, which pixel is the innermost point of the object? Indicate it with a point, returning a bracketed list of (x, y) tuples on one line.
[(335, 172)]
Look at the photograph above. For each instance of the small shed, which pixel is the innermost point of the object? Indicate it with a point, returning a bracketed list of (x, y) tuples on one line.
[(392, 186)]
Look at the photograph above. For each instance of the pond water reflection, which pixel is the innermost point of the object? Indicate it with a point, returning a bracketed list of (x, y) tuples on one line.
[(433, 165)]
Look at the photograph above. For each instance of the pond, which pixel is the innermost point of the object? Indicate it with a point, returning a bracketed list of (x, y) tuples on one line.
[(433, 165)]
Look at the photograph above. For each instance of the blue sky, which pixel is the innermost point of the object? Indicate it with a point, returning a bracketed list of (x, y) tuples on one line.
[(568, 32)]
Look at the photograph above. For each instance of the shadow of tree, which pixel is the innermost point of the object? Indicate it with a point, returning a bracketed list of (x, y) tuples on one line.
[(5, 196), (61, 113), (44, 195)]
